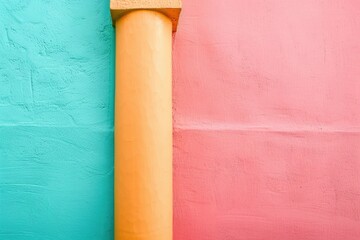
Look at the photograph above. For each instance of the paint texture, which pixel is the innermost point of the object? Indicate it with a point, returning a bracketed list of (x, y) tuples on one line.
[(143, 127), (56, 120), (267, 120)]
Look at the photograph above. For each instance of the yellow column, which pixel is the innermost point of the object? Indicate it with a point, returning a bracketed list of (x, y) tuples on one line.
[(143, 118)]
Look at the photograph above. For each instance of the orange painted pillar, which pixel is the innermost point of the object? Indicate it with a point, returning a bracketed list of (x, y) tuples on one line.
[(143, 118)]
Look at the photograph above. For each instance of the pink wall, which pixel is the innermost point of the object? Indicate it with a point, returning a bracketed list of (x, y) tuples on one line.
[(267, 120)]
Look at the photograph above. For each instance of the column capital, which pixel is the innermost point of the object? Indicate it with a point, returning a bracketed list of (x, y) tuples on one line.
[(170, 8)]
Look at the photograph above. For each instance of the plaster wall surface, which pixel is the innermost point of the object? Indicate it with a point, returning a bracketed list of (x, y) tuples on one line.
[(56, 120), (266, 103), (267, 120)]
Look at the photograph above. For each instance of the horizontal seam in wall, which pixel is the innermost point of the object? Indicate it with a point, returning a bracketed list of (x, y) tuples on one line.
[(56, 126), (295, 129)]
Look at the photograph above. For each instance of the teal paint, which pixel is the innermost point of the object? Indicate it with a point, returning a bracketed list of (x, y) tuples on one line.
[(56, 120)]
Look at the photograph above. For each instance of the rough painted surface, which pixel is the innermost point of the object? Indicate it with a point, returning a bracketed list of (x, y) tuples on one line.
[(266, 116), (56, 120), (267, 120)]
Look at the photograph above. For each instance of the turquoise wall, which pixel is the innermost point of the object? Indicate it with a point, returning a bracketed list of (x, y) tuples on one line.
[(56, 120)]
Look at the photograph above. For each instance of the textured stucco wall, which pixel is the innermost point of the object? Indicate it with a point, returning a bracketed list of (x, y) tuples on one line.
[(267, 120), (56, 120)]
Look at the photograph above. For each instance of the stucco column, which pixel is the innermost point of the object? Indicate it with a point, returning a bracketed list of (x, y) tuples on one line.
[(143, 118)]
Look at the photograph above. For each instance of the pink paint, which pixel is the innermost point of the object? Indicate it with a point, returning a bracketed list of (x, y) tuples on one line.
[(267, 120)]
